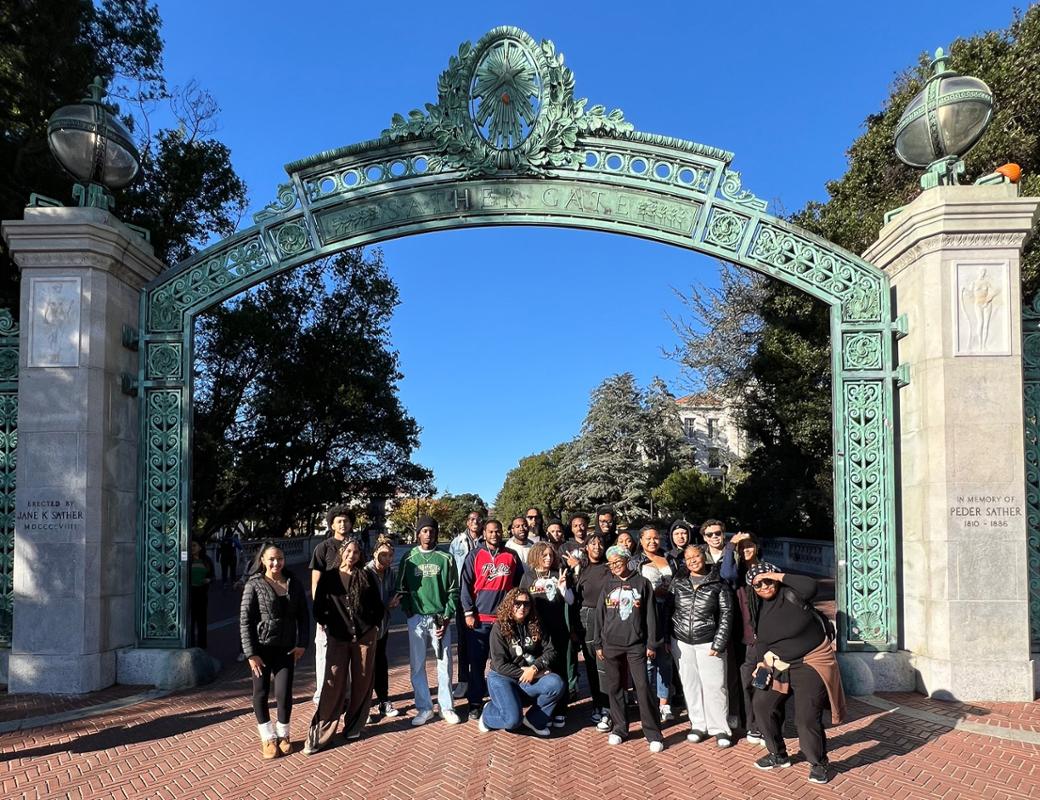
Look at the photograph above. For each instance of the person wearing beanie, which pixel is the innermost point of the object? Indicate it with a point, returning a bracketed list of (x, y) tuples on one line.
[(428, 588), (625, 632), (340, 523)]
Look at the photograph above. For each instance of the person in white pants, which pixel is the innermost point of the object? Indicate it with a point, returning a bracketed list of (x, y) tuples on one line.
[(702, 621)]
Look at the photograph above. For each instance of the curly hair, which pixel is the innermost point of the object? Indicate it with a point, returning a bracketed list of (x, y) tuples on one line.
[(504, 615), (536, 553)]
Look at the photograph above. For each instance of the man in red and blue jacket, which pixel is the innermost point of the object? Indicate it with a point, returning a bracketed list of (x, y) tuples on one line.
[(488, 574)]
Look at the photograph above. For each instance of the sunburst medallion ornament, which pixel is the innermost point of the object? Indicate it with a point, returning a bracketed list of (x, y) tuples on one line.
[(505, 94)]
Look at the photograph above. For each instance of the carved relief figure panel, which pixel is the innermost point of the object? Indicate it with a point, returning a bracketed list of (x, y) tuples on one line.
[(54, 335), (982, 308)]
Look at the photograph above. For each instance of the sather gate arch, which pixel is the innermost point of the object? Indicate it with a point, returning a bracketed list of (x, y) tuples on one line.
[(507, 143)]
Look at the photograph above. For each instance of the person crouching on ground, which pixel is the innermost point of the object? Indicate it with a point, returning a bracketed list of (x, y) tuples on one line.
[(348, 606), (795, 657), (626, 633), (521, 654), (428, 586), (273, 624), (702, 619)]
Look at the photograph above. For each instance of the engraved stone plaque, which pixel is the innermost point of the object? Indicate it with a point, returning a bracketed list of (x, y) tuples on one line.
[(54, 336), (982, 308)]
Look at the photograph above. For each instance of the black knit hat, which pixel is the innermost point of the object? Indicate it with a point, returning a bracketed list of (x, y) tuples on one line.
[(426, 522)]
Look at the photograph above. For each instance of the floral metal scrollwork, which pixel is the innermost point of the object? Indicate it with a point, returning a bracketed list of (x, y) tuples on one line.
[(862, 351), (1031, 406), (161, 585), (8, 463)]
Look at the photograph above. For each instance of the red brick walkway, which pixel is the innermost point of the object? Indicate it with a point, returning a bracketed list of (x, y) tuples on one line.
[(203, 744)]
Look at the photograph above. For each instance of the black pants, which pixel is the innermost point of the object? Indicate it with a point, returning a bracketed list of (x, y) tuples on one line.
[(229, 568), (461, 648), (278, 669), (381, 681), (747, 671), (736, 652), (809, 695), (593, 666), (199, 598), (616, 659)]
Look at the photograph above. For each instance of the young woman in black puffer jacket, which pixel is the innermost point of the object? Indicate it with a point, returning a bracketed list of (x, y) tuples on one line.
[(702, 619), (273, 624)]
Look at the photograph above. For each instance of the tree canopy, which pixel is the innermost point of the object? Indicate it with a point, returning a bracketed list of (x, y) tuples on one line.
[(767, 345), (296, 398), (50, 50)]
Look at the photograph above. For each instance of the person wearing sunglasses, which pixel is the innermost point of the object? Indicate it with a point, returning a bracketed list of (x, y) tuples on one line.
[(535, 528), (626, 634), (713, 532), (521, 655), (795, 658)]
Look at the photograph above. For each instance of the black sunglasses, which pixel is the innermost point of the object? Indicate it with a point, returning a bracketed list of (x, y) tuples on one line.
[(765, 583), (521, 603)]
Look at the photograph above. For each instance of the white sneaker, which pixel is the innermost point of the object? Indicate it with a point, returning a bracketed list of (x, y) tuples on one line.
[(387, 709), (613, 739), (460, 690), (656, 747), (605, 724), (756, 738), (481, 726), (666, 713), (449, 716), (543, 732), (696, 737), (422, 717)]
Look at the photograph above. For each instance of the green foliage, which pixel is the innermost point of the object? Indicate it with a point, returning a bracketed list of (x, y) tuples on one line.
[(535, 481), (450, 511), (691, 495), (630, 439), (783, 379), (296, 401), (49, 51)]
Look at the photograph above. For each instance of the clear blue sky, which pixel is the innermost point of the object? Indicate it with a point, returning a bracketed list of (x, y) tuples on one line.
[(504, 332)]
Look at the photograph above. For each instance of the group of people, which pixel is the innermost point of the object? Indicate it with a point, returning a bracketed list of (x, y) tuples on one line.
[(708, 625)]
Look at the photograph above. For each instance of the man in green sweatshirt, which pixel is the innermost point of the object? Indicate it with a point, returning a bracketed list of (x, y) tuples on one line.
[(428, 585)]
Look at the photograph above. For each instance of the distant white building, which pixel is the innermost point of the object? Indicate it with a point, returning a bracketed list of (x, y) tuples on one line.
[(709, 424)]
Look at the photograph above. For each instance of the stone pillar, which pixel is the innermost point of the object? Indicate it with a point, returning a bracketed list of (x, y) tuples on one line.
[(74, 572), (953, 259)]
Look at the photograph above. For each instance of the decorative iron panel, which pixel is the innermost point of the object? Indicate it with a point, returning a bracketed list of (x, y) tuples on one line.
[(8, 448), (1031, 406)]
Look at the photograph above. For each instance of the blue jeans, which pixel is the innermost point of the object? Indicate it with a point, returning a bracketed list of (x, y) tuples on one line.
[(502, 711), (659, 673), (478, 646), (420, 639)]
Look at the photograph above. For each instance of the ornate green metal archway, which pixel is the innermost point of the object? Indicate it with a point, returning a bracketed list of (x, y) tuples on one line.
[(508, 143)]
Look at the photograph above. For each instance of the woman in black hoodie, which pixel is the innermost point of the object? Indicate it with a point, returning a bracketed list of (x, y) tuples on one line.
[(273, 626), (626, 633)]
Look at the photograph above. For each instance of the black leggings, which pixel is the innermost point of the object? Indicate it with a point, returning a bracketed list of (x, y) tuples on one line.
[(279, 665)]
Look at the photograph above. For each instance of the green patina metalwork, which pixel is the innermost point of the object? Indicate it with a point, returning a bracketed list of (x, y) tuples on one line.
[(8, 449), (538, 157), (1031, 406)]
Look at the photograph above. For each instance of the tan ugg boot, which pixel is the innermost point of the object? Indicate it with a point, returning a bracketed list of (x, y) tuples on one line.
[(284, 745), (269, 748)]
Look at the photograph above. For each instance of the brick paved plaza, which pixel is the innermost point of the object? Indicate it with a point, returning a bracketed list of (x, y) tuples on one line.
[(202, 743)]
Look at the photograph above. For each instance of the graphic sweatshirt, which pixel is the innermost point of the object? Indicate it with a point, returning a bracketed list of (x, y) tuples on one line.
[(428, 583), (626, 614), (486, 579)]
